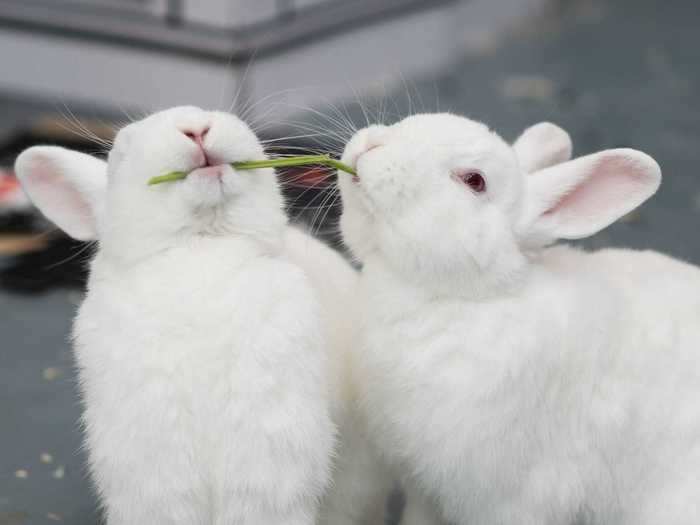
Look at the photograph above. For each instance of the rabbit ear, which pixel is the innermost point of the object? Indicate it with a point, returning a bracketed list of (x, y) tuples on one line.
[(541, 146), (581, 197), (68, 187)]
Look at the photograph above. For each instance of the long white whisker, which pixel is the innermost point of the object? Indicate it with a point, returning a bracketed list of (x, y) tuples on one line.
[(242, 82)]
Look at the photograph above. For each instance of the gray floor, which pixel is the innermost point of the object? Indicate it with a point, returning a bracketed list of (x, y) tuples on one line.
[(622, 73), (42, 475)]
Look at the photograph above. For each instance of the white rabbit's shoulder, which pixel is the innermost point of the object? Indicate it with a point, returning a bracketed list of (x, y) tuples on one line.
[(319, 260)]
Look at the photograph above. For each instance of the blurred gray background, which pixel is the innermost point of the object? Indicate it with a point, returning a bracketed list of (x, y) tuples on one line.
[(613, 73)]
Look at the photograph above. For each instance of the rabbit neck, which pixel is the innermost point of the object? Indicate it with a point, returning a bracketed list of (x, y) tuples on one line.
[(469, 285)]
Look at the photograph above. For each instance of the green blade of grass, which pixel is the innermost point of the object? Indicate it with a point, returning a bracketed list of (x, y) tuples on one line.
[(168, 177), (336, 164), (303, 160)]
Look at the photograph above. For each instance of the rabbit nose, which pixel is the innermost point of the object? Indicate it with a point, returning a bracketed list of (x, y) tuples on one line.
[(196, 135), (375, 138)]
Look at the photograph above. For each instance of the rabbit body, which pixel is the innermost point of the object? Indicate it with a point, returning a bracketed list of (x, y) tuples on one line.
[(508, 382), (204, 382), (202, 347), (580, 393)]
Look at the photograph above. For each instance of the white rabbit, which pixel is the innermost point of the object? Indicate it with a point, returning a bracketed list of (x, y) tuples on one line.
[(361, 481), (200, 344), (511, 383), (538, 147)]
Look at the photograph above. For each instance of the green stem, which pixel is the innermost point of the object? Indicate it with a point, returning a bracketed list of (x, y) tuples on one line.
[(303, 160), (340, 166), (168, 177)]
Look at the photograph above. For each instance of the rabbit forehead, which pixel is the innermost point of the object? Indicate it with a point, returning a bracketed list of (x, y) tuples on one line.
[(451, 137)]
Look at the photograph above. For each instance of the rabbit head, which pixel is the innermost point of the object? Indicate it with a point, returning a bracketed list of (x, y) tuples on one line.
[(447, 202), (112, 202)]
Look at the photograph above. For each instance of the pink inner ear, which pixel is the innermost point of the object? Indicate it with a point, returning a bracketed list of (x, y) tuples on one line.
[(610, 184), (57, 199)]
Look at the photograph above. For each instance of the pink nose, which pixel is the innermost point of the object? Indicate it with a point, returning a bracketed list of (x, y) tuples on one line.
[(196, 135)]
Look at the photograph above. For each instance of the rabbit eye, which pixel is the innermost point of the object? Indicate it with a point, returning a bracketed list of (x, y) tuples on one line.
[(474, 179)]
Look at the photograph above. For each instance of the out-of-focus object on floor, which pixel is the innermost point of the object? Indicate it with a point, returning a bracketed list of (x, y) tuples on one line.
[(233, 53), (44, 262), (18, 218), (19, 244), (12, 198)]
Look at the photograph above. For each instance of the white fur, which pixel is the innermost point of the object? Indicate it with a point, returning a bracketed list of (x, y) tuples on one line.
[(200, 345), (511, 383), (361, 482), (542, 145)]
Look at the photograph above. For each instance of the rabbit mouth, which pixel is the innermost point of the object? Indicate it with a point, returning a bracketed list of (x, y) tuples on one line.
[(211, 185), (217, 171)]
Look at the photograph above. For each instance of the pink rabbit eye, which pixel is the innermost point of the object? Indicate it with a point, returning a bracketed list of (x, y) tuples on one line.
[(474, 179)]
